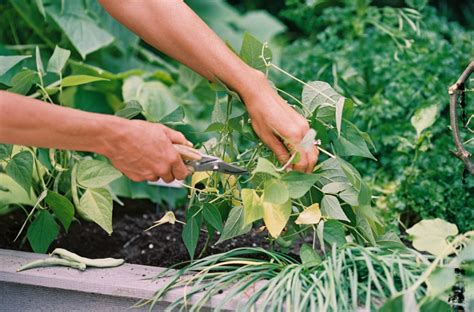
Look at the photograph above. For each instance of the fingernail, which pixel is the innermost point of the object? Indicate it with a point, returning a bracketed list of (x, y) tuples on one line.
[(190, 144)]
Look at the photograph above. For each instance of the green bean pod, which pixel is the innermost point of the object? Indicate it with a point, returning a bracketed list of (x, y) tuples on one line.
[(52, 262), (98, 263)]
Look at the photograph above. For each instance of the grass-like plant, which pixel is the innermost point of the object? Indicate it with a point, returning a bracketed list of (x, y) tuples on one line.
[(345, 280)]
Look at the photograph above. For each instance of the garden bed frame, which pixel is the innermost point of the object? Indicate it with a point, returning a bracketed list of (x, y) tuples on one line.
[(61, 288)]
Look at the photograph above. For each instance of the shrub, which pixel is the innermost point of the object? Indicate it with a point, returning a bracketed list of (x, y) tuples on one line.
[(395, 64)]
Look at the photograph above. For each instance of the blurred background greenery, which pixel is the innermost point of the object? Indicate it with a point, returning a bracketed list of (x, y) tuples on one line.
[(394, 58)]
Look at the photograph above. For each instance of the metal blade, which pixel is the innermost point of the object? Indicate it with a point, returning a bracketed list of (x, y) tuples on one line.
[(230, 169)]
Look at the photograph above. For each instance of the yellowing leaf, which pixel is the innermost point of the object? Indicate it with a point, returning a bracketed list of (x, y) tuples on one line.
[(431, 236), (199, 177), (424, 118), (275, 191), (275, 217), (311, 215), (228, 180), (169, 217), (253, 206)]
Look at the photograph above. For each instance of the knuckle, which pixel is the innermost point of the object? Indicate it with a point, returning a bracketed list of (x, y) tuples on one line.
[(161, 171), (135, 178), (175, 158), (180, 175), (168, 179)]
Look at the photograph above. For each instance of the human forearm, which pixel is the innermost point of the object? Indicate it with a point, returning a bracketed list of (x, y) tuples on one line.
[(26, 121), (173, 28)]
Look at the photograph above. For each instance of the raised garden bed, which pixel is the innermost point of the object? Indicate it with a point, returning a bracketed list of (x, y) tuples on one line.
[(113, 289), (146, 253), (159, 247)]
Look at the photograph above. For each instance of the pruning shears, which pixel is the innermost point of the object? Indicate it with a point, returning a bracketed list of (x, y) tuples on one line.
[(198, 161)]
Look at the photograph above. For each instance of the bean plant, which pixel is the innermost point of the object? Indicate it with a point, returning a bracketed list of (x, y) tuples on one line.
[(55, 183), (330, 202), (43, 55)]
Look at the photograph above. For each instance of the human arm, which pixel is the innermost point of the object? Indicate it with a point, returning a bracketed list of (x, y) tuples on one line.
[(141, 150), (173, 28)]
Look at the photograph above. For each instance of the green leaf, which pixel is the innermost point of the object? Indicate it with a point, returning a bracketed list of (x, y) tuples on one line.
[(276, 216), (131, 109), (440, 280), (253, 205), (15, 194), (156, 98), (58, 60), (261, 24), (219, 111), (95, 173), (81, 30), (335, 187), (251, 52), (96, 205), (189, 78), (20, 169), (434, 304), (333, 233), (212, 216), (190, 236), (350, 196), (298, 183), (331, 208), (352, 144), (77, 80), (5, 151), (308, 256), (339, 109), (23, 81), (174, 117), (235, 225), (40, 6), (265, 166), (275, 191), (424, 118), (318, 94), (62, 208), (401, 303), (434, 242), (42, 232), (8, 62)]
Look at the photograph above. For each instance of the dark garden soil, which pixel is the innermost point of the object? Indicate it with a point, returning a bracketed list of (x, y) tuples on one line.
[(161, 246)]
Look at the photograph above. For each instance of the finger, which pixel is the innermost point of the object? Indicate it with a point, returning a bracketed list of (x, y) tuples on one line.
[(167, 177), (179, 169), (302, 164), (151, 177), (135, 178), (312, 157), (279, 149), (177, 137)]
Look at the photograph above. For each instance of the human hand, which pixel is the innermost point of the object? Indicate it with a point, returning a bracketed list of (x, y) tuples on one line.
[(143, 151), (274, 120)]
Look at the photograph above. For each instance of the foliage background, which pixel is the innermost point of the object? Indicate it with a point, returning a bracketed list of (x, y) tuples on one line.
[(335, 41)]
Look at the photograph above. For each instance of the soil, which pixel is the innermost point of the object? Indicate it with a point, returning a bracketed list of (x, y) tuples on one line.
[(161, 246)]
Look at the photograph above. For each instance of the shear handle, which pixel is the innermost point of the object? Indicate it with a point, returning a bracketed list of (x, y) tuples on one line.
[(188, 153)]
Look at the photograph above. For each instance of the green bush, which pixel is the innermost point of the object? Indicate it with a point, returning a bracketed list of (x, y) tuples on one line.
[(394, 63)]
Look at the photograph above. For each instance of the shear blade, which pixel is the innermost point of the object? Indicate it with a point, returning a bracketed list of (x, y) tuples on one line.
[(230, 169)]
